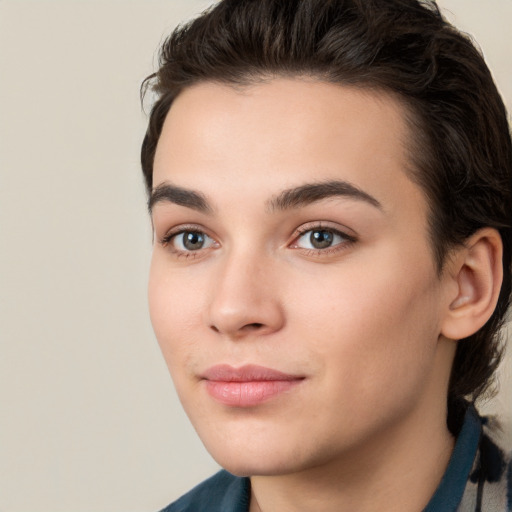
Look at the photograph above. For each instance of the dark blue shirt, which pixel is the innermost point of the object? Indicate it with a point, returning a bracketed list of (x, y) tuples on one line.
[(478, 478)]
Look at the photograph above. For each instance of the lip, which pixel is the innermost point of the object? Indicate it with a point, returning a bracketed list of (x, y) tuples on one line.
[(246, 386)]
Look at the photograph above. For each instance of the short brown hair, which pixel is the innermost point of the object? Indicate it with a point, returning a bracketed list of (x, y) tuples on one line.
[(460, 143)]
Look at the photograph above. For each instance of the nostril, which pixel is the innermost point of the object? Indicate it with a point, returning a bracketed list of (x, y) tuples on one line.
[(254, 326)]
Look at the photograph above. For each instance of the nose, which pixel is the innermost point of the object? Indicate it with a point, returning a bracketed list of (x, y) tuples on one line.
[(245, 298)]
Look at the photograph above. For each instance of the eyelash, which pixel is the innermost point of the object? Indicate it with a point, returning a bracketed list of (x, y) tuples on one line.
[(168, 237), (348, 240)]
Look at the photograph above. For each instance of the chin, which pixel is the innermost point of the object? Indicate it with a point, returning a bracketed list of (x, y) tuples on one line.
[(247, 461), (264, 457), (255, 467)]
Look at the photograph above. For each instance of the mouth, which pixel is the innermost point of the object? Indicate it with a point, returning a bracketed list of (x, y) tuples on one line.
[(247, 386)]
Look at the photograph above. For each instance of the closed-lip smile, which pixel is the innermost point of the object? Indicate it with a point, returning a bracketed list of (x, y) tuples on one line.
[(248, 385)]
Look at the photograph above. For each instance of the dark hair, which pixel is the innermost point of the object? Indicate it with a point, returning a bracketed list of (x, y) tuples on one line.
[(460, 144)]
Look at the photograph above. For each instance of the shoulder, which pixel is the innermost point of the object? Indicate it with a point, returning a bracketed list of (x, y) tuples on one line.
[(222, 492), (479, 474), (490, 481)]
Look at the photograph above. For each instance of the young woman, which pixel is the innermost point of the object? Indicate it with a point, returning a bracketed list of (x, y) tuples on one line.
[(330, 188)]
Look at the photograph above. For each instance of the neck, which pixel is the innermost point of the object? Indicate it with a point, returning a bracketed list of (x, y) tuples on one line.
[(397, 470)]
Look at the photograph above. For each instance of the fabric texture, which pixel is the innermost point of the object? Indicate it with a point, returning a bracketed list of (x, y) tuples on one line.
[(478, 479)]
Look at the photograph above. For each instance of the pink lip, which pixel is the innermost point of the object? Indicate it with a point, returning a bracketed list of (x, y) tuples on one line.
[(248, 385)]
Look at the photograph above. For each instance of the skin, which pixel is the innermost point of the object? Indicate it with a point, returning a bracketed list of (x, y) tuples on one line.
[(360, 321)]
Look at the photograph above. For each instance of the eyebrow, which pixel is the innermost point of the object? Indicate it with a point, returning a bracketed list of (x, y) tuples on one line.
[(292, 198), (166, 192), (312, 192)]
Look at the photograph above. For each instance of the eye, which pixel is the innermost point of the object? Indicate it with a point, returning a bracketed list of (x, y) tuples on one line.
[(187, 241), (321, 238)]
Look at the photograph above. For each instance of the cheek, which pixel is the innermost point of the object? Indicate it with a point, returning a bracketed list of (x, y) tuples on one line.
[(372, 328), (173, 307)]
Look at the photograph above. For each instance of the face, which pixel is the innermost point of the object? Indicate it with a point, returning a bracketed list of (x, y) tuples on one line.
[(292, 288)]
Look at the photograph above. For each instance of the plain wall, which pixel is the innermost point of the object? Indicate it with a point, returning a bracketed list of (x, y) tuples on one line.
[(89, 420)]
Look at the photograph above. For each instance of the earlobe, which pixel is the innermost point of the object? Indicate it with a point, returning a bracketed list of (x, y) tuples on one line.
[(478, 273)]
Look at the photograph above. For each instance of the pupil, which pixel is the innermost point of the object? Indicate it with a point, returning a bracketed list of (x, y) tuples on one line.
[(321, 239), (193, 240)]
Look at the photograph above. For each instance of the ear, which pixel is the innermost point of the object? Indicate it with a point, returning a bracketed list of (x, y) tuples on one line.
[(477, 271)]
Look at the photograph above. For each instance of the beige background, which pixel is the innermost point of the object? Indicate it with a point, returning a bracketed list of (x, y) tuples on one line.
[(88, 418)]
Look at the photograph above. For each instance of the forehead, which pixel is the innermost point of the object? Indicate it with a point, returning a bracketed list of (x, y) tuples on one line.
[(282, 133)]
